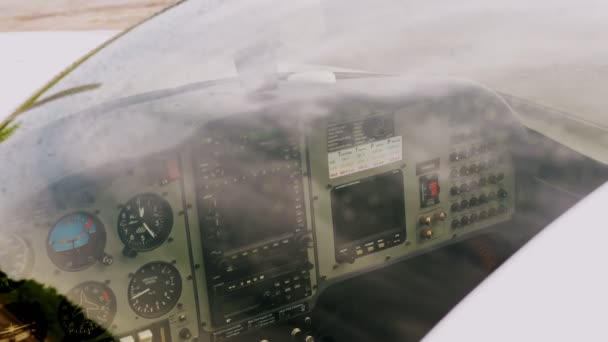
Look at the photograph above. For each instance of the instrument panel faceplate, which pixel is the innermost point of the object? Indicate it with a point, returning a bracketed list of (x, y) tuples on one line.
[(244, 224)]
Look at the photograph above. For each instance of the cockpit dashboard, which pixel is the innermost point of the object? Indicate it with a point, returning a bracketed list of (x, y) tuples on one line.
[(255, 213)]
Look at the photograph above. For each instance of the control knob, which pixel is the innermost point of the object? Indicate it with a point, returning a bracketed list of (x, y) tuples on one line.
[(425, 220), (464, 221), (426, 233), (297, 335), (343, 258), (502, 193), (464, 204), (185, 334), (473, 201), (440, 215)]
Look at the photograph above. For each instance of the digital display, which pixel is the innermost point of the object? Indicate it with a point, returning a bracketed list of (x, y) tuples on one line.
[(249, 184), (254, 211), (368, 207)]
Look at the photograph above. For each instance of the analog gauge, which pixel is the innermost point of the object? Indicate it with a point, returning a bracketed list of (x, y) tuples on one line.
[(87, 310), (16, 256), (154, 289), (145, 222), (76, 241)]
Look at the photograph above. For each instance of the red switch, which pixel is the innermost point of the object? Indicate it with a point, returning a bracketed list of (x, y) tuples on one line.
[(434, 189)]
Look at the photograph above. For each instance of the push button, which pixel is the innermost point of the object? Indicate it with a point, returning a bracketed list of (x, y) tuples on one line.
[(145, 336)]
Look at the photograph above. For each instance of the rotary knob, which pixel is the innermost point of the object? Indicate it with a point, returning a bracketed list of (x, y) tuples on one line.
[(464, 221), (425, 220), (464, 204), (297, 335), (440, 215), (502, 193), (426, 233)]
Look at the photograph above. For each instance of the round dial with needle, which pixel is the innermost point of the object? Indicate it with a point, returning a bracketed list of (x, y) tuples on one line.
[(145, 222), (87, 309), (154, 289), (16, 256)]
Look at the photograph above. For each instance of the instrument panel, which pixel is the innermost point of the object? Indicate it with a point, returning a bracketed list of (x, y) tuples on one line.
[(244, 224)]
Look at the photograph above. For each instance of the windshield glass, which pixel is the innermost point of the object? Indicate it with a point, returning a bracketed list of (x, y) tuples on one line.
[(306, 170)]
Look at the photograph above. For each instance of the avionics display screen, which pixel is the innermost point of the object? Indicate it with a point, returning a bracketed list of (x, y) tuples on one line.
[(367, 207), (251, 212)]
